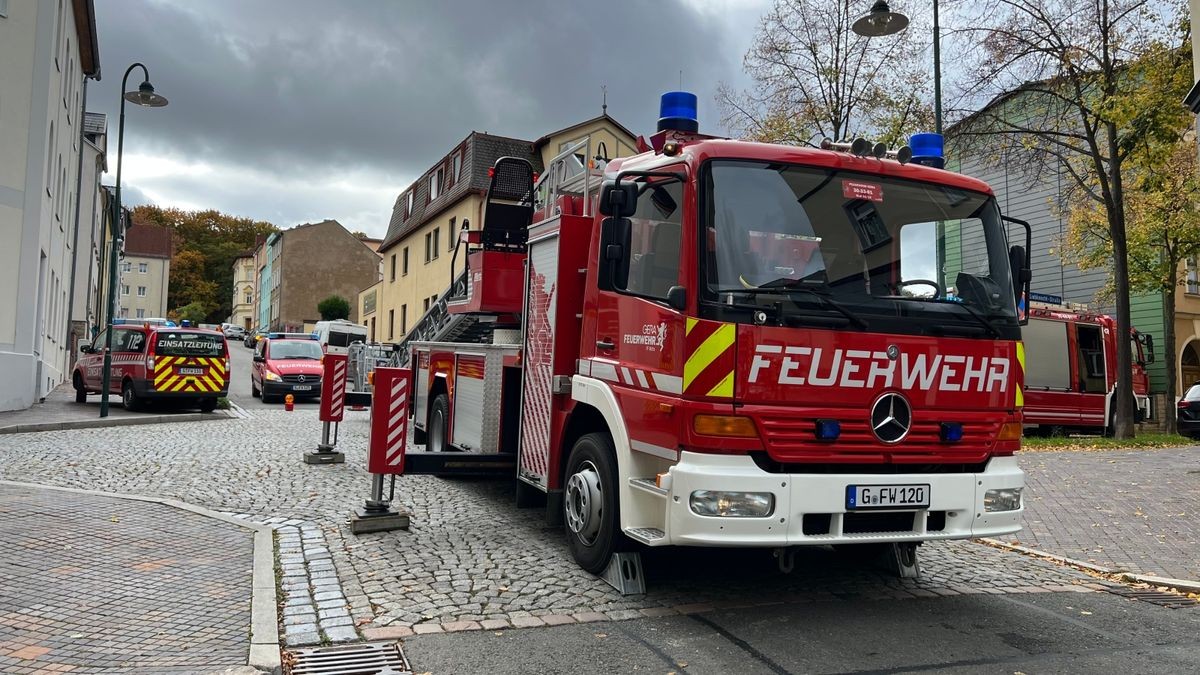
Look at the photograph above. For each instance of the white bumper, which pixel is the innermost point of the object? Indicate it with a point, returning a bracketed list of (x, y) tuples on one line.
[(958, 496)]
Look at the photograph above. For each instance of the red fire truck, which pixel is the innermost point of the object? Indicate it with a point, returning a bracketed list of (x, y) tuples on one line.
[(1072, 369), (725, 343)]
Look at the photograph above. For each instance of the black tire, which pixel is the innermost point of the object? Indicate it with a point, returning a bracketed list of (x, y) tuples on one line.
[(267, 398), (129, 397), (208, 405), (80, 390), (254, 392), (438, 428), (593, 542)]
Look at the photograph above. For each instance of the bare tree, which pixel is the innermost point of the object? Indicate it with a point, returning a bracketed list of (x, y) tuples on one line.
[(815, 78), (1060, 78)]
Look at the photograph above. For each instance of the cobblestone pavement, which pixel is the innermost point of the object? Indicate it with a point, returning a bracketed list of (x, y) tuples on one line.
[(1134, 511), (471, 559), (99, 584)]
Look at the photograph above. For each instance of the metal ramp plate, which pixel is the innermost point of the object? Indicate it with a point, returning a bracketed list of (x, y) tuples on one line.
[(624, 573), (379, 658)]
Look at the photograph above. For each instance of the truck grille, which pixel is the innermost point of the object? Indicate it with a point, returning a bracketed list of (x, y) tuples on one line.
[(302, 379), (792, 439)]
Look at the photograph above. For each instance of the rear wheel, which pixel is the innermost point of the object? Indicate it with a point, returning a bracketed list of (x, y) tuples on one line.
[(439, 421), (80, 390), (208, 405), (590, 507), (129, 397)]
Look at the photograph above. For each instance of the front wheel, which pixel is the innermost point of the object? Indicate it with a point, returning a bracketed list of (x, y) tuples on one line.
[(129, 397), (590, 508)]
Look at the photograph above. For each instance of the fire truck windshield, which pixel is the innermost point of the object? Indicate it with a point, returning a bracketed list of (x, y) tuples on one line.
[(902, 256)]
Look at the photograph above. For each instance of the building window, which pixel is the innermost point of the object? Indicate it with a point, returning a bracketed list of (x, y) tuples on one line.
[(457, 166), (393, 267), (427, 239), (408, 204), (124, 313), (450, 235), (391, 324), (143, 268), (404, 262), (1193, 276), (141, 291), (141, 314), (126, 267), (436, 237), (404, 319), (50, 163), (425, 305), (435, 184), (249, 298), (124, 289)]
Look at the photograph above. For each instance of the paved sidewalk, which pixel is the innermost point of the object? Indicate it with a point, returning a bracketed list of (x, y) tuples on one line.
[(102, 584), (60, 411), (1134, 511)]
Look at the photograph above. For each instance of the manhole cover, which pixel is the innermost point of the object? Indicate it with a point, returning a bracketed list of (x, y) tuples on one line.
[(383, 658), (1161, 598)]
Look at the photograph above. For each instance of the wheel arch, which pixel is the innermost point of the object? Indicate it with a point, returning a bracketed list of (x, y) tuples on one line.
[(590, 392)]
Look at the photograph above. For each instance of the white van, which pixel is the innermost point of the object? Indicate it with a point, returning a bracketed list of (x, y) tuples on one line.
[(337, 336)]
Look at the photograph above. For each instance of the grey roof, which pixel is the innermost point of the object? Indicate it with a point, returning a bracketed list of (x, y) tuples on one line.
[(480, 152), (95, 123)]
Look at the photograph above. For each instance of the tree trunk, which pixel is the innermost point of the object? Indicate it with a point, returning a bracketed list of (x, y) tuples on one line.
[(1169, 416), (1123, 396)]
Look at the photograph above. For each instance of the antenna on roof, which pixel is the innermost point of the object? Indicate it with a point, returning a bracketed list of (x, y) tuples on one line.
[(604, 99), (681, 79)]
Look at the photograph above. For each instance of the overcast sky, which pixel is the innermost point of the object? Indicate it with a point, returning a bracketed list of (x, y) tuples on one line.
[(299, 110)]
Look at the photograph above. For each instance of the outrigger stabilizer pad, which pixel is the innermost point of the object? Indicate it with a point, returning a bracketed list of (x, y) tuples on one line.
[(378, 517), (324, 455)]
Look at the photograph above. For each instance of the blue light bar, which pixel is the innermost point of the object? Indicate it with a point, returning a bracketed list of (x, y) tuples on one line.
[(828, 430), (952, 432), (677, 111), (928, 149)]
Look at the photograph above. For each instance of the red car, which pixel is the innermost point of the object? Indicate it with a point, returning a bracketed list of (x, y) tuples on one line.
[(156, 362), (286, 363)]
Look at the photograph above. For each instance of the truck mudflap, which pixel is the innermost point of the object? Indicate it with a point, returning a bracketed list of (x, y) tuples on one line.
[(819, 509)]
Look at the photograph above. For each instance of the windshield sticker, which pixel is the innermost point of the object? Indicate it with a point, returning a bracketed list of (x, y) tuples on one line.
[(853, 189)]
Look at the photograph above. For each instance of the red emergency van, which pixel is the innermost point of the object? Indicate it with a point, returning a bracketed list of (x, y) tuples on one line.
[(156, 362)]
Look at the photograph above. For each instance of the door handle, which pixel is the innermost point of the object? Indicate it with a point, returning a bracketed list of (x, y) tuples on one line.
[(605, 344)]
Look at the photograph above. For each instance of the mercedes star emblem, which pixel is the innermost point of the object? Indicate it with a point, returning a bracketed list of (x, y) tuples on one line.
[(891, 418), (300, 378), (893, 352)]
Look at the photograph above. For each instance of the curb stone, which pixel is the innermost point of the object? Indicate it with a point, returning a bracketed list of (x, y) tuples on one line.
[(264, 641), (115, 422), (1182, 585)]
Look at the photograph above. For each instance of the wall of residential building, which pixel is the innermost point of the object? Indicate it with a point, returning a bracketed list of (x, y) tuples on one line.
[(88, 263), (242, 313), (316, 261), (41, 82), (368, 310), (143, 287), (616, 143)]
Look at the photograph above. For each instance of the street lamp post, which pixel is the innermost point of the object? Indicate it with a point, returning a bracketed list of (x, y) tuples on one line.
[(881, 20), (144, 96)]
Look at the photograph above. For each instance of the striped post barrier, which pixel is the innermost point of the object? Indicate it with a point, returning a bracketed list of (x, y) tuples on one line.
[(332, 410), (385, 451)]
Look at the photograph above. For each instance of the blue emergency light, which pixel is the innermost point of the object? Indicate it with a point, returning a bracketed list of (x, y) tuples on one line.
[(677, 112), (952, 432), (827, 430), (928, 149)]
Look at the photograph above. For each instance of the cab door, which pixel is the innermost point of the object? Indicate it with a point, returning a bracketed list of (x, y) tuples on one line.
[(639, 335), (93, 362)]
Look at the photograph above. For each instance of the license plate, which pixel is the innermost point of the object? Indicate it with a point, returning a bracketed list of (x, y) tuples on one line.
[(191, 371), (302, 387), (886, 496)]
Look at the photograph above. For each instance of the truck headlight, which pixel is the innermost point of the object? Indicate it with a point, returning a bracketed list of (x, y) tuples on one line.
[(732, 504), (1004, 499), (268, 375)]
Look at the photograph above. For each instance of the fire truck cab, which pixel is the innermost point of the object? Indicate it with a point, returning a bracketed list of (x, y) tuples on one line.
[(725, 343), (1072, 369)]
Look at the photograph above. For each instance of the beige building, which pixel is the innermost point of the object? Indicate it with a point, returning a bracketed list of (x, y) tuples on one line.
[(429, 214), (244, 275), (47, 50), (368, 309), (145, 272)]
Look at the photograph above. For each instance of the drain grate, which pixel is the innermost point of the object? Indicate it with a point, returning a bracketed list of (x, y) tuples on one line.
[(380, 658), (1160, 598)]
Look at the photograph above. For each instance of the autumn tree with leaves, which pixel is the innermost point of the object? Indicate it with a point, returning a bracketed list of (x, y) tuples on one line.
[(206, 243), (1068, 81), (814, 78)]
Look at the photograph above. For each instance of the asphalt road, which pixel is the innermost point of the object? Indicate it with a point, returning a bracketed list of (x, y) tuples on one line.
[(1027, 633), (240, 361)]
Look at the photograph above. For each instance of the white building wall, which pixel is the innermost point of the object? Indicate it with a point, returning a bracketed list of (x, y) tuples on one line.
[(87, 257), (40, 116)]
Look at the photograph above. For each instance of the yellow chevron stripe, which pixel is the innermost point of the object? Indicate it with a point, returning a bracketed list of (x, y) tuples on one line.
[(1020, 396), (706, 353), (167, 386), (217, 365), (724, 388), (691, 323), (211, 384)]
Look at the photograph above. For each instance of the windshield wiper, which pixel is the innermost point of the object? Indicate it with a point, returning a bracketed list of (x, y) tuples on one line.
[(793, 286), (974, 313)]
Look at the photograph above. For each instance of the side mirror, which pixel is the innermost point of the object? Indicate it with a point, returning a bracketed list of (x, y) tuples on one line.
[(677, 298), (259, 359), (619, 199), (615, 237), (85, 349)]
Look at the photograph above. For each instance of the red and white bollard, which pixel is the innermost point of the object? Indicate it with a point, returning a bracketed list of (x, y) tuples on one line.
[(385, 451), (332, 410)]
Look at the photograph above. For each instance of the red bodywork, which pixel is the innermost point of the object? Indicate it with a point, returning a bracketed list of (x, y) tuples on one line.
[(1077, 401), (664, 370)]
